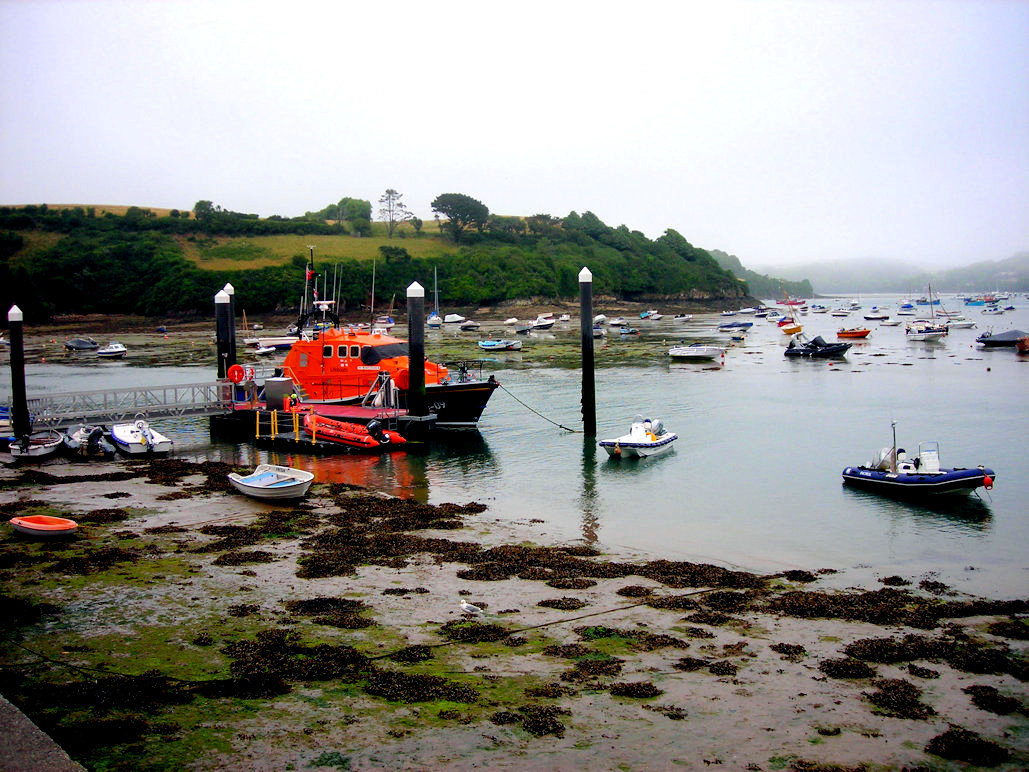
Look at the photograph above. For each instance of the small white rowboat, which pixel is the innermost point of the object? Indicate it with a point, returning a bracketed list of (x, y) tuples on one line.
[(273, 483)]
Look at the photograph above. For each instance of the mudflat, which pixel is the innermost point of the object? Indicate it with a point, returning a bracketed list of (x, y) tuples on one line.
[(188, 627)]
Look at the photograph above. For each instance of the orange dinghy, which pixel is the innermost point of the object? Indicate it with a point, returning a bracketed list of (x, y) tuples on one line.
[(370, 437), (852, 332), (44, 525)]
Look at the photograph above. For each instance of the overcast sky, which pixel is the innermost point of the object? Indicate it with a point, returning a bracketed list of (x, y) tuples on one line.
[(782, 132)]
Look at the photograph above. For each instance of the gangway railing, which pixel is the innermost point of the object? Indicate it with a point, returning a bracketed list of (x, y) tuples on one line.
[(54, 411)]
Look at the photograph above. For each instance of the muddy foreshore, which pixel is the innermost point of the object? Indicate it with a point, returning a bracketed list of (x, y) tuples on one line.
[(187, 627)]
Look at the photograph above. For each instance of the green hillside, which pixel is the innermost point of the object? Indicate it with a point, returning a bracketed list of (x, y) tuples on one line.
[(77, 260)]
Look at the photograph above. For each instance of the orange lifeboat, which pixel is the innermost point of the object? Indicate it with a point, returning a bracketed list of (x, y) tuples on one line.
[(370, 437)]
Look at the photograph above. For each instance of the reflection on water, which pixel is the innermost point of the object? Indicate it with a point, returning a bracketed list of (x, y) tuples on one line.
[(588, 500), (970, 513)]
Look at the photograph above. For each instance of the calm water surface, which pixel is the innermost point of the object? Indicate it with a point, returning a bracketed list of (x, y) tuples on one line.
[(754, 480)]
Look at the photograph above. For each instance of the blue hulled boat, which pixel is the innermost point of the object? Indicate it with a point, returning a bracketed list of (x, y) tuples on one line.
[(893, 473)]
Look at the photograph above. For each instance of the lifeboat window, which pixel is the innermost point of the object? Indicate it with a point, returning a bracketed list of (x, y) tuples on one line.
[(355, 352), (341, 352), (327, 352), (372, 355), (303, 359)]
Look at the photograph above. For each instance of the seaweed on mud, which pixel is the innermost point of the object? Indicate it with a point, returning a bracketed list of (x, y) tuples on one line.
[(571, 583), (248, 687), (107, 694), (20, 612), (989, 699), (899, 698), (243, 557), (589, 669), (711, 618), (343, 620), (93, 561), (1016, 628), (404, 591), (792, 652), (800, 765), (503, 717), (232, 537), (100, 516), (922, 672), (673, 712), (962, 654), (723, 668), (894, 581), (636, 689), (674, 602), (635, 591), (727, 601), (203, 638), (322, 605), (407, 687), (551, 691), (799, 576), (412, 654), (892, 650), (689, 664), (243, 610), (563, 604), (165, 529), (959, 744), (696, 632), (887, 606), (473, 632), (90, 733), (933, 586), (846, 667), (539, 720), (569, 650), (279, 652)]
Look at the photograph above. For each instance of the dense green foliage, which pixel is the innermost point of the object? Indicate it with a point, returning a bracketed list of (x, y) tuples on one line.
[(125, 265)]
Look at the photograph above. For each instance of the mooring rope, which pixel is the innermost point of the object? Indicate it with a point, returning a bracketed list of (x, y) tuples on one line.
[(532, 409)]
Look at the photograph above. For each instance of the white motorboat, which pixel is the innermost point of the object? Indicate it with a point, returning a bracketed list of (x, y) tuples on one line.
[(599, 319), (453, 319), (683, 317), (470, 324), (511, 320), (273, 483), (646, 437), (113, 350), (696, 351), (139, 437), (564, 318), (618, 321), (543, 322)]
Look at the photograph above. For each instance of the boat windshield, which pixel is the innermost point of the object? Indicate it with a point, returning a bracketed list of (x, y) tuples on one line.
[(372, 355)]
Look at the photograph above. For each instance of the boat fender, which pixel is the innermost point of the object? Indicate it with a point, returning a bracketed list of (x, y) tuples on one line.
[(988, 482)]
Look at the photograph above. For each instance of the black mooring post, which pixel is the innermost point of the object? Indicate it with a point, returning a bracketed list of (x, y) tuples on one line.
[(232, 358), (589, 398), (20, 424), (221, 319), (419, 422)]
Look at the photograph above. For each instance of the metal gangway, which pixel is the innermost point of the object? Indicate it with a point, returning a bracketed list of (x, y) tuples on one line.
[(108, 406)]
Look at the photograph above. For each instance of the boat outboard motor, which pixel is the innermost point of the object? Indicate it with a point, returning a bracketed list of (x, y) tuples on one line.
[(375, 431), (93, 441), (657, 427)]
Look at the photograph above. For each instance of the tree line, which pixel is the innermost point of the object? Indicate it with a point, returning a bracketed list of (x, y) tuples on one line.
[(124, 265)]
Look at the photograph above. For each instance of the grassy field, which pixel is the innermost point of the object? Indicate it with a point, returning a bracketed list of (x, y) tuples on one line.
[(218, 254)]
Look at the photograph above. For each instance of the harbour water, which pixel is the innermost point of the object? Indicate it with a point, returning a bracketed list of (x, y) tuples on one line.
[(753, 481)]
